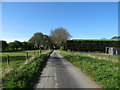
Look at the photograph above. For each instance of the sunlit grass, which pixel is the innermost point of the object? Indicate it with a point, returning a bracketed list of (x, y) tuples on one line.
[(21, 53), (102, 56), (104, 72), (17, 59), (26, 76)]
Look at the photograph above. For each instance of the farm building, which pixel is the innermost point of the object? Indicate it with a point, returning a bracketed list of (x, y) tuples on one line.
[(112, 50)]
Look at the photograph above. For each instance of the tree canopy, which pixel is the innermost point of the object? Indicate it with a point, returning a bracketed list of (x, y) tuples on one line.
[(57, 38), (37, 40), (15, 45), (3, 45), (116, 37), (60, 36), (40, 40)]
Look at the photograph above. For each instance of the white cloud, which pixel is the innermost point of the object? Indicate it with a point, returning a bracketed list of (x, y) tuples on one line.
[(13, 39)]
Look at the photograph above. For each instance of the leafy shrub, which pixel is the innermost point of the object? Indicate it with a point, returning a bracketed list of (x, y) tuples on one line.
[(61, 48)]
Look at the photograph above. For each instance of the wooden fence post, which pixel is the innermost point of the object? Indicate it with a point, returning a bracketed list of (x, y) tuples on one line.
[(40, 51), (8, 60), (34, 52), (26, 55), (109, 56)]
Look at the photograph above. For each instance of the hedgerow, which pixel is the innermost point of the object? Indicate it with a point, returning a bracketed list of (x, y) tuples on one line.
[(91, 45)]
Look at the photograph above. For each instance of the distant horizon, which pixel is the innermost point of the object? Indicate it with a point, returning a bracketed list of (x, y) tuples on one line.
[(68, 39), (83, 20)]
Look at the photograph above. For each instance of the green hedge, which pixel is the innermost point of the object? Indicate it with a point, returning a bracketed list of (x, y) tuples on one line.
[(91, 45)]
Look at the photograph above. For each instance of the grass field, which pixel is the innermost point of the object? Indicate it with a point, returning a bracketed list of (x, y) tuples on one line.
[(16, 59), (104, 72)]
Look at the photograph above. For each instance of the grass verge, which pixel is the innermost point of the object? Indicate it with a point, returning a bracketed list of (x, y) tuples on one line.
[(26, 76), (103, 56), (104, 72), (17, 59)]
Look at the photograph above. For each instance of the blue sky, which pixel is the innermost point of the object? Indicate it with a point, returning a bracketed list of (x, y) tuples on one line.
[(83, 20)]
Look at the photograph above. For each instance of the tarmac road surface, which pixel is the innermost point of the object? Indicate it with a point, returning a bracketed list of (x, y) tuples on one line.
[(60, 73)]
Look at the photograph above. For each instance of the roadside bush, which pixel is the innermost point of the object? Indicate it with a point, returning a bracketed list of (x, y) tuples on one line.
[(61, 48)]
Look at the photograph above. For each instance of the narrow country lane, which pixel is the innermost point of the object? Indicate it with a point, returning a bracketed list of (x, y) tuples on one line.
[(59, 73)]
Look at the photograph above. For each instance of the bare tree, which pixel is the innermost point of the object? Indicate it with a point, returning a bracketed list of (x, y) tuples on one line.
[(59, 36)]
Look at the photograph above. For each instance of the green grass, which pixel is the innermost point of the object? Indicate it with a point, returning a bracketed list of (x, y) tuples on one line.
[(21, 53), (16, 59), (104, 56), (104, 72), (26, 76)]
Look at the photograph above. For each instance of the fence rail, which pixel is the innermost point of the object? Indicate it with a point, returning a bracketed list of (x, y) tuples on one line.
[(36, 53), (15, 61)]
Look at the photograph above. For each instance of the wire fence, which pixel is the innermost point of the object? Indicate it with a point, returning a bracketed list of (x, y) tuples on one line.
[(17, 60)]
